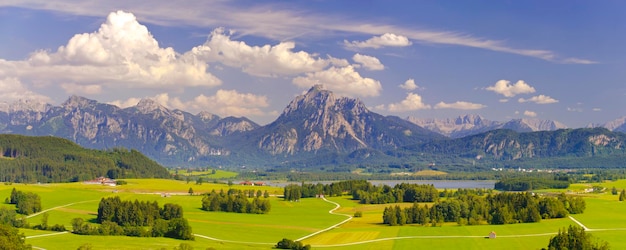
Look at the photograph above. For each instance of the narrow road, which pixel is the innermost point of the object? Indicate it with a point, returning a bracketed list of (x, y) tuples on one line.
[(580, 224), (66, 205), (332, 211)]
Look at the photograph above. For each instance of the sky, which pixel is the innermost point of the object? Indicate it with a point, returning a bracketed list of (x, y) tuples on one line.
[(559, 60)]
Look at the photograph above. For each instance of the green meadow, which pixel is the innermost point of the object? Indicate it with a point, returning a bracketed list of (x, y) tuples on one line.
[(605, 216)]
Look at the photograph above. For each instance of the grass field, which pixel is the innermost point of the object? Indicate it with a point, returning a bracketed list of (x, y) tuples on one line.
[(219, 174), (605, 216)]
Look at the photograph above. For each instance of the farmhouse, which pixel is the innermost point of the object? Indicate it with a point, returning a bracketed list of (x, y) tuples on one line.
[(249, 183), (102, 180)]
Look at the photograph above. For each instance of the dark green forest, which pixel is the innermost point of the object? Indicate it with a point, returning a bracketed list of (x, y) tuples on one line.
[(49, 159)]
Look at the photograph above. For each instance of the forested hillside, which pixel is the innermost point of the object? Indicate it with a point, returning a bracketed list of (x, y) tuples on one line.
[(51, 159)]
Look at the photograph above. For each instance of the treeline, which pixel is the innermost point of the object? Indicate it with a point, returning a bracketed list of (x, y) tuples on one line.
[(530, 183), (25, 202), (48, 159), (402, 192), (117, 217), (501, 208), (294, 192), (236, 201)]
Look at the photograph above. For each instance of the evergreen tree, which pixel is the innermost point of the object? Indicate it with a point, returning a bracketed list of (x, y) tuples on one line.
[(575, 238), (622, 195), (10, 238)]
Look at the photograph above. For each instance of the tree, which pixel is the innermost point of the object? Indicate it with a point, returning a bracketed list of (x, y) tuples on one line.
[(230, 183), (190, 191), (614, 191), (622, 195), (10, 238), (199, 181), (213, 171), (575, 238)]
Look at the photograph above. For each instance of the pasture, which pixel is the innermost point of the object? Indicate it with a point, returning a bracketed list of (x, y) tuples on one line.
[(605, 216)]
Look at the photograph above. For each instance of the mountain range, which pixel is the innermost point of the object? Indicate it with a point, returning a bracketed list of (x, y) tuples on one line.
[(475, 124), (315, 129)]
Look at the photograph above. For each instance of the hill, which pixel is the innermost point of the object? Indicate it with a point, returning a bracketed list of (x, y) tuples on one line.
[(51, 159)]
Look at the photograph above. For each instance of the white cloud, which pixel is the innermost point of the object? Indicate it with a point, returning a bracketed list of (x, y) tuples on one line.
[(507, 89), (459, 105), (530, 113), (574, 109), (266, 20), (121, 52), (72, 88), (126, 103), (596, 109), (503, 100), (267, 61), (14, 90), (230, 103), (369, 62), (385, 40), (223, 103), (341, 80), (409, 85), (411, 102), (540, 99)]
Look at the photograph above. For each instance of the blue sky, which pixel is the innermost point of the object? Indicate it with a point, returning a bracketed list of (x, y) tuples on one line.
[(559, 60)]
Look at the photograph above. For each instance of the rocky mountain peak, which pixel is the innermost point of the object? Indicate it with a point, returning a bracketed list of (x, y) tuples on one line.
[(78, 102), (148, 105), (206, 116)]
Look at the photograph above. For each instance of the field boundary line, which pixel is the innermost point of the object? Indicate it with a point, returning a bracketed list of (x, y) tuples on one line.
[(579, 223), (332, 211), (232, 241), (45, 235), (428, 237), (57, 207)]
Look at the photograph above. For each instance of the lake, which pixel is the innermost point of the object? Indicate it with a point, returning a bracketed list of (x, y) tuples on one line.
[(440, 184)]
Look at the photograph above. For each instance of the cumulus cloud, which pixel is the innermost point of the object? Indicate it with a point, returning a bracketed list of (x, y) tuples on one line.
[(369, 62), (410, 103), (530, 113), (385, 40), (223, 103), (341, 80), (503, 100), (266, 60), (409, 85), (459, 105), (507, 89), (122, 52), (14, 90), (540, 99)]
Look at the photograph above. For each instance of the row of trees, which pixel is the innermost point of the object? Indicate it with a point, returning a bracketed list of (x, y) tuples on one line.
[(403, 192), (502, 208), (530, 183), (293, 192), (128, 213), (25, 202), (236, 201), (117, 217), (177, 228)]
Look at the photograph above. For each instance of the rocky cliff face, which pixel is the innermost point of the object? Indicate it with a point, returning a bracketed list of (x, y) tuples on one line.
[(319, 121), (169, 136)]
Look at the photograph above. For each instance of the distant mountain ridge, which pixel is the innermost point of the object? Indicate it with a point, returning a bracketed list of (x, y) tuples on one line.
[(474, 124), (315, 129), (169, 136)]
